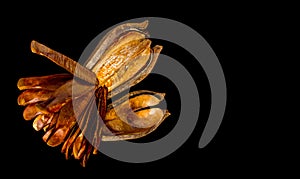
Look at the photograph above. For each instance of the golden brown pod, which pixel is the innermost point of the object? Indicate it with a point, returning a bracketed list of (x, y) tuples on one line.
[(72, 108)]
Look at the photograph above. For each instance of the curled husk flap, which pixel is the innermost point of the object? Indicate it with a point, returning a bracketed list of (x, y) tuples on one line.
[(134, 115)]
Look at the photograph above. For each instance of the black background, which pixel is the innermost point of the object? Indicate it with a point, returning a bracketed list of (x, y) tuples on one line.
[(236, 148)]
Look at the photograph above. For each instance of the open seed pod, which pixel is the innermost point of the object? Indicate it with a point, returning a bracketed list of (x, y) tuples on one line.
[(134, 115), (72, 108)]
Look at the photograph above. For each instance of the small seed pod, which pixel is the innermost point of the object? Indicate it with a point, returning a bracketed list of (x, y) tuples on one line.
[(134, 115)]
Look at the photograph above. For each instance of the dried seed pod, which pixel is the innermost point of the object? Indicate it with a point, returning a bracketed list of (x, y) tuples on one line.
[(72, 108)]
